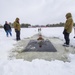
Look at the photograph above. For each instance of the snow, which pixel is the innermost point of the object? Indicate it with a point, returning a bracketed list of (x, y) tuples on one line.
[(37, 66)]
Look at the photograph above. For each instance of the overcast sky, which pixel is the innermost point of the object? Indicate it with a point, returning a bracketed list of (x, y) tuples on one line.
[(36, 11)]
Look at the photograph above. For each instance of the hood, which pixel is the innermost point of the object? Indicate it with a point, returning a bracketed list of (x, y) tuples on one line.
[(68, 15), (17, 19)]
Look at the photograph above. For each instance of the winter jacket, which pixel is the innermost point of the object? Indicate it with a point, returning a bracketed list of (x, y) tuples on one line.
[(16, 25), (69, 23), (7, 27)]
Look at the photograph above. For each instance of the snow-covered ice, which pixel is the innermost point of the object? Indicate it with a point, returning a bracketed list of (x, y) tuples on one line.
[(37, 66)]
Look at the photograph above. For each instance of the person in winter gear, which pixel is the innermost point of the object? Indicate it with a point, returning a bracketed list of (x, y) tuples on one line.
[(74, 32), (68, 28), (17, 28), (7, 29)]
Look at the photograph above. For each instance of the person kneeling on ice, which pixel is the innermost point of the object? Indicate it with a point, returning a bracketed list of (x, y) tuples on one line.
[(68, 29), (40, 40)]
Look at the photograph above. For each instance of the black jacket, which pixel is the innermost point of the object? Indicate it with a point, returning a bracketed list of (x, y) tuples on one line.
[(7, 27)]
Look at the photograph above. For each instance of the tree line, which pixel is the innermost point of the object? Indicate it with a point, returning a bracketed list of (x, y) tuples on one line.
[(23, 25)]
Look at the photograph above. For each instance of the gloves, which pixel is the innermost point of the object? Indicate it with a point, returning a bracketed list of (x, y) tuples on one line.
[(15, 30), (64, 31)]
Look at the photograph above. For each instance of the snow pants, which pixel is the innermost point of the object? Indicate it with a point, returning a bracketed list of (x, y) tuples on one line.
[(17, 35), (8, 32), (66, 37)]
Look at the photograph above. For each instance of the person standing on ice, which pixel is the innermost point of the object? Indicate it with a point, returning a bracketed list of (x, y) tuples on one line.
[(7, 29), (39, 31), (74, 32), (17, 28), (68, 29)]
